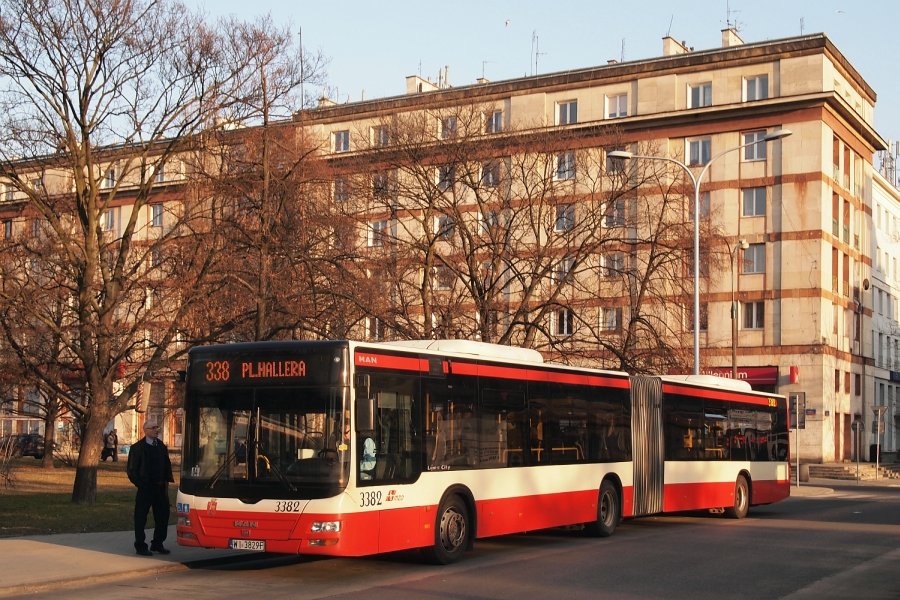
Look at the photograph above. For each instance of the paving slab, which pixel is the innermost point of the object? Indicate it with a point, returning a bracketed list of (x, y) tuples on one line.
[(47, 562)]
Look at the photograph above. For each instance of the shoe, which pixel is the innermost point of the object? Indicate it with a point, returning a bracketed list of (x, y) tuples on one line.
[(143, 551), (159, 548)]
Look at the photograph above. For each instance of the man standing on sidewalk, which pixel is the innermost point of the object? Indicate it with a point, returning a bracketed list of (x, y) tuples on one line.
[(150, 469)]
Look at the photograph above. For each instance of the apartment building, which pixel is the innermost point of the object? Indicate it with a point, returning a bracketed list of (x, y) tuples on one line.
[(798, 232), (809, 301)]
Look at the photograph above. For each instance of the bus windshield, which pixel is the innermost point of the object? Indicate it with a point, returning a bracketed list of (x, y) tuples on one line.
[(253, 443)]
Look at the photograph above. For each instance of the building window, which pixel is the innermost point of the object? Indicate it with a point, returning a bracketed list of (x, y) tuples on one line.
[(700, 95), (37, 184), (490, 173), (755, 259), (491, 220), (857, 384), (445, 227), (156, 257), (341, 141), (380, 136), (341, 193), (444, 278), (689, 316), (109, 219), (565, 217), (159, 173), (615, 213), (564, 271), (446, 177), (493, 122), (617, 106), (110, 181), (705, 207), (376, 329), (448, 128), (567, 112), (156, 215), (9, 192), (610, 319), (612, 264), (754, 202), (614, 165), (756, 88), (378, 233), (699, 151), (384, 185), (564, 321), (7, 229), (565, 166), (754, 315), (757, 148)]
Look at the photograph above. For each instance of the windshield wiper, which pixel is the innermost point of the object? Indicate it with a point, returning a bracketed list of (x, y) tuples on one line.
[(273, 468), (221, 470)]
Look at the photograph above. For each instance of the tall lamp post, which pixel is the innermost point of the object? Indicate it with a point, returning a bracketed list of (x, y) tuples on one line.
[(741, 244), (624, 154)]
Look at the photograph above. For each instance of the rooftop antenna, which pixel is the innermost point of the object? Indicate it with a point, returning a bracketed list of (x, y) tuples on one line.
[(669, 30), (622, 58), (536, 45), (420, 69), (801, 25), (482, 66), (729, 23)]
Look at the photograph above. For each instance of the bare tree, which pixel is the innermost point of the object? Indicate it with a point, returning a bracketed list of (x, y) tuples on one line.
[(100, 99), (522, 235)]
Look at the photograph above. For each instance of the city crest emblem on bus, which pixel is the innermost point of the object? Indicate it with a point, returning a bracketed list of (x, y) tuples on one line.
[(211, 508)]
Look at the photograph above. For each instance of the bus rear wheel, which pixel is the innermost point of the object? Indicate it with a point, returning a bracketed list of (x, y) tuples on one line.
[(451, 532), (741, 500), (607, 512)]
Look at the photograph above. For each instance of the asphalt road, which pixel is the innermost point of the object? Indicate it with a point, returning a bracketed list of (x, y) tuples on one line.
[(842, 545)]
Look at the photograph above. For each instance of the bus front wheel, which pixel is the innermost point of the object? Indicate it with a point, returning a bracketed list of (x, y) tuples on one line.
[(607, 512), (451, 532), (741, 499)]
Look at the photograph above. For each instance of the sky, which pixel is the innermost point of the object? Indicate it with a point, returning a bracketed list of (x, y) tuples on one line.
[(374, 45)]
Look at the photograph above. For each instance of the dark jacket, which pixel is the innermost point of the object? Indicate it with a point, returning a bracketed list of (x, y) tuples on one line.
[(139, 464)]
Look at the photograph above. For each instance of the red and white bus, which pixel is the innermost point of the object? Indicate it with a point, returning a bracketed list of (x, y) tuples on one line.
[(347, 449)]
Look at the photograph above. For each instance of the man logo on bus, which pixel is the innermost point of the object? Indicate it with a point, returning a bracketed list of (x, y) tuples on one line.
[(393, 496), (211, 508)]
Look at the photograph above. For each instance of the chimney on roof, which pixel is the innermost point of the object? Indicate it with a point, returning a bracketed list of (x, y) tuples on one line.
[(324, 101), (672, 47), (612, 61), (417, 85), (731, 38), (482, 80)]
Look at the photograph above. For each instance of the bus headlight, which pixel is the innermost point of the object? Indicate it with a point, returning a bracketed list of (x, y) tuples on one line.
[(325, 527), (186, 521)]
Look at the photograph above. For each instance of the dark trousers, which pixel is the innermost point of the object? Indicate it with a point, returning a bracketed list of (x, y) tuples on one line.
[(157, 498)]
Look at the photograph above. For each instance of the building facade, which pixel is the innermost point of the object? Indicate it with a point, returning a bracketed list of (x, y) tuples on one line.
[(815, 286), (808, 296)]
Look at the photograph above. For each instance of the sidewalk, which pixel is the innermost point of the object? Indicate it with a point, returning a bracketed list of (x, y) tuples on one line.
[(48, 562)]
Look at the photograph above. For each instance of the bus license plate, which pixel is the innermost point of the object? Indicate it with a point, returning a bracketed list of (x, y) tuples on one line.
[(255, 545)]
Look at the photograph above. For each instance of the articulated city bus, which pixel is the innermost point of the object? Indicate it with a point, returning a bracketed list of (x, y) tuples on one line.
[(347, 449)]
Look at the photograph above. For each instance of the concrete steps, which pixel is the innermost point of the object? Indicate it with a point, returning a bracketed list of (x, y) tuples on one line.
[(847, 471)]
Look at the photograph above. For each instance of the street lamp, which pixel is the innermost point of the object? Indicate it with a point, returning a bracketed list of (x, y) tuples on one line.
[(743, 245), (624, 154)]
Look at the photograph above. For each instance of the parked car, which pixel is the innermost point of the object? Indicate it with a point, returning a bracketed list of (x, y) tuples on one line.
[(25, 444)]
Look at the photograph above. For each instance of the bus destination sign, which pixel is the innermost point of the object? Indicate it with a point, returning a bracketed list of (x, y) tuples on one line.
[(225, 370)]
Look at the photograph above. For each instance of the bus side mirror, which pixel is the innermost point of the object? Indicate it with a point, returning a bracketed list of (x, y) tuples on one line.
[(365, 414)]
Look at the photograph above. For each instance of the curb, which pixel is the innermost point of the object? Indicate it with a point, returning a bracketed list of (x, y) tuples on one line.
[(45, 586), (56, 584)]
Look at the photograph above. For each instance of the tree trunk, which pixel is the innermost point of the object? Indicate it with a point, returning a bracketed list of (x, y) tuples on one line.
[(52, 411), (49, 436), (85, 489)]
